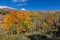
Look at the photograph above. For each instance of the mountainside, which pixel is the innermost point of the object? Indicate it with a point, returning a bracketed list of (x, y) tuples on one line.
[(32, 25)]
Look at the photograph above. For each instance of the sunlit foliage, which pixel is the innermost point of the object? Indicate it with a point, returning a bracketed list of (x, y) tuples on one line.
[(17, 20)]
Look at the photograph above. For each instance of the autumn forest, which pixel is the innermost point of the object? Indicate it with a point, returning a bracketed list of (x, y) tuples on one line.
[(29, 25)]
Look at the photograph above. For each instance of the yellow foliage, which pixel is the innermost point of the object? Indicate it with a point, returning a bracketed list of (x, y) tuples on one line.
[(5, 26), (29, 24), (15, 18), (50, 16), (6, 18), (20, 28), (44, 24)]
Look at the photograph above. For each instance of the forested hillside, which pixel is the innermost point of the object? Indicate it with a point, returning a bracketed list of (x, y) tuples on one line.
[(29, 25)]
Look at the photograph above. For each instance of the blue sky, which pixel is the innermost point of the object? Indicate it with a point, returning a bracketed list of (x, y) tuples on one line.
[(31, 4)]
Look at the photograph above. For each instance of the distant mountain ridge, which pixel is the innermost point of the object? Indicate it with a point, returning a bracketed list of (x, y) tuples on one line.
[(43, 11)]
